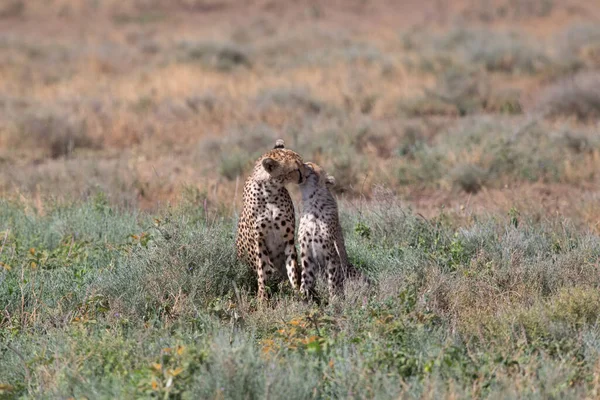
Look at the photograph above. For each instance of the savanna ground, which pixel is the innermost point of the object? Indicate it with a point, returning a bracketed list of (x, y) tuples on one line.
[(464, 137)]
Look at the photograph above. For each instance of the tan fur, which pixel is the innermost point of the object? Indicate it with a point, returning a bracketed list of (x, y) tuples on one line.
[(265, 235), (320, 234)]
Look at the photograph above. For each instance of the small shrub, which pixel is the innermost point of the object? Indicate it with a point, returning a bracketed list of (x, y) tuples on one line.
[(426, 106), (467, 91), (579, 46), (56, 135), (504, 52), (141, 17), (343, 148), (181, 268), (347, 171), (462, 92), (235, 152), (12, 9), (495, 51), (468, 177), (498, 149), (363, 230), (505, 102), (233, 164), (578, 142), (205, 101), (412, 142), (493, 10), (479, 48), (291, 99), (252, 140), (143, 105), (348, 52), (578, 96), (221, 56)]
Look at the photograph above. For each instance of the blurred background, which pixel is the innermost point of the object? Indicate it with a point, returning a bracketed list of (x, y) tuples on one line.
[(468, 105)]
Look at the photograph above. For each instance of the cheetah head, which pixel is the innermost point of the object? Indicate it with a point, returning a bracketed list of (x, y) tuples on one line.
[(283, 165), (315, 175)]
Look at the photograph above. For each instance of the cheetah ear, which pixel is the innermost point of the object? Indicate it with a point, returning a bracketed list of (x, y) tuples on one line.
[(279, 144), (269, 164), (330, 181)]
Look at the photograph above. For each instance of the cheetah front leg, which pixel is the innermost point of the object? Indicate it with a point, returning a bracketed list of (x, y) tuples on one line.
[(291, 260), (264, 266)]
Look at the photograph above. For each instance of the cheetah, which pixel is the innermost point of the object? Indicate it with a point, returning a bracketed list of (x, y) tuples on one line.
[(320, 235), (266, 229)]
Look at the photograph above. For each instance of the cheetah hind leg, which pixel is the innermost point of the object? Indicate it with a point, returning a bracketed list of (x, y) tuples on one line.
[(354, 274), (309, 269), (335, 276)]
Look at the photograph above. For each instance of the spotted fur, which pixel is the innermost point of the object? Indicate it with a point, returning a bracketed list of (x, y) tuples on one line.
[(320, 235), (265, 236)]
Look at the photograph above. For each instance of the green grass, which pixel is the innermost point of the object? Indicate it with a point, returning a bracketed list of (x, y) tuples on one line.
[(105, 303)]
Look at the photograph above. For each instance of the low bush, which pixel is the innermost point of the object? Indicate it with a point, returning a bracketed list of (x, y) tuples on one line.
[(220, 56), (577, 96), (119, 304), (485, 151), (50, 133)]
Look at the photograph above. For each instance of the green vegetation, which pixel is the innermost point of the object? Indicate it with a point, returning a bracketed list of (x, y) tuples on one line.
[(463, 136), (104, 303), (470, 153)]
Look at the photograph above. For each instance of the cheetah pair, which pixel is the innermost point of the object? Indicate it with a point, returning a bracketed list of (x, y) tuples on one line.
[(265, 236)]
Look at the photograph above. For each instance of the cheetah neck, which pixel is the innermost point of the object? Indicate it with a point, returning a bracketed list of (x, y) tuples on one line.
[(265, 188), (317, 199), (312, 193)]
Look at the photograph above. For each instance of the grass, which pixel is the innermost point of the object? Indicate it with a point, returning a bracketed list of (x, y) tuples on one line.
[(136, 110), (458, 309), (494, 51), (464, 142), (460, 92), (502, 52), (482, 151)]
